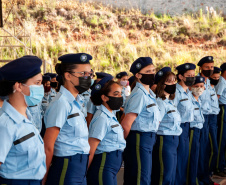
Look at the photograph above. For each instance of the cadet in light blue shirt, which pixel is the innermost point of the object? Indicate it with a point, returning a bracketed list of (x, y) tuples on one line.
[(105, 134), (213, 145), (165, 149), (195, 129), (22, 155), (36, 112), (66, 137), (183, 102), (140, 124), (206, 65), (221, 93)]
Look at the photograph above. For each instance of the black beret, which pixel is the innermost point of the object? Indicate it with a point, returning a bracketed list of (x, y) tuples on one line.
[(139, 64), (78, 58), (223, 67), (121, 74), (161, 73), (199, 79), (207, 59), (185, 67), (216, 70), (101, 84), (46, 78), (21, 69), (102, 74)]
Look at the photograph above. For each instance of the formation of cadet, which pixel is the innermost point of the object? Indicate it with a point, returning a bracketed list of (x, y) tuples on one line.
[(78, 126)]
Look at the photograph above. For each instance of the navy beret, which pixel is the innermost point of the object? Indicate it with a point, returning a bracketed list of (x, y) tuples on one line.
[(161, 73), (223, 67), (199, 79), (102, 74), (185, 67), (78, 58), (139, 64), (121, 74), (101, 84), (53, 75), (131, 80), (21, 69), (217, 70), (46, 78), (207, 59)]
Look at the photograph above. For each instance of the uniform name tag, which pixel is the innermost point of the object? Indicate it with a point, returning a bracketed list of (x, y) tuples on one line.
[(44, 102), (151, 105), (212, 94), (171, 111), (33, 106), (73, 115), (113, 126), (85, 94), (183, 100), (52, 96), (18, 141), (196, 108)]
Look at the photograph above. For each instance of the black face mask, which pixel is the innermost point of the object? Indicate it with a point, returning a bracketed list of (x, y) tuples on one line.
[(207, 73), (147, 79), (189, 81), (213, 81), (84, 84), (53, 84), (170, 89), (115, 102)]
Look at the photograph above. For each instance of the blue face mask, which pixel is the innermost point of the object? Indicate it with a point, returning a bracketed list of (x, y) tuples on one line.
[(92, 82), (36, 95)]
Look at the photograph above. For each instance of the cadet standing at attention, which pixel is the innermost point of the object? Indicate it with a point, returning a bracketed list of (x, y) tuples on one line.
[(106, 136), (140, 124), (206, 70), (183, 102), (66, 137), (213, 146), (195, 129), (22, 155), (165, 149), (221, 93)]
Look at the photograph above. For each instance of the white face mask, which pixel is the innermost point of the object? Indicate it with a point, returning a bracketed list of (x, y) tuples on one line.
[(197, 91)]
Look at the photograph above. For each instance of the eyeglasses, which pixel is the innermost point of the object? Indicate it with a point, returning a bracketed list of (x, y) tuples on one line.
[(85, 73)]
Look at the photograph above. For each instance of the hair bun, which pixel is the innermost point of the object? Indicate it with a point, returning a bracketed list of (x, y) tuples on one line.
[(58, 69)]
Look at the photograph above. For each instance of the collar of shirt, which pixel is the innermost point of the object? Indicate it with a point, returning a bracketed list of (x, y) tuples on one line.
[(14, 114), (181, 89), (207, 82), (70, 98), (151, 93), (222, 79), (107, 112)]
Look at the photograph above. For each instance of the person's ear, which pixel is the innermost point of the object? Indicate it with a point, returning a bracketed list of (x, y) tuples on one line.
[(180, 77), (67, 76), (104, 98), (138, 75)]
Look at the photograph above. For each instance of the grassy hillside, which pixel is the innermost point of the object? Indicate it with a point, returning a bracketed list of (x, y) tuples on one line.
[(115, 38)]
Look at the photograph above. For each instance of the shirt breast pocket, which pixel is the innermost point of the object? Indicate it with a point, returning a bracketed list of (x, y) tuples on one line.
[(77, 126), (26, 148), (115, 130), (150, 109)]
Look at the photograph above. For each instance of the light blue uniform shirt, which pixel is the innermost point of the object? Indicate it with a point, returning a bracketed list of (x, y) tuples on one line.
[(64, 112), (91, 108), (184, 104), (36, 112), (221, 90), (124, 96), (81, 100), (45, 102), (52, 95), (143, 103), (105, 127), (198, 115), (170, 124), (214, 101), (87, 95), (206, 99), (21, 147)]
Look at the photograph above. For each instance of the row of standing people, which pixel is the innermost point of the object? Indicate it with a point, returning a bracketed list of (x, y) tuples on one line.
[(170, 124)]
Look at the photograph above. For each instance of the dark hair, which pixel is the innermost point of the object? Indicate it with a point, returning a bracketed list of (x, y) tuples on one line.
[(96, 98), (6, 87), (180, 73), (63, 68), (160, 86), (134, 83)]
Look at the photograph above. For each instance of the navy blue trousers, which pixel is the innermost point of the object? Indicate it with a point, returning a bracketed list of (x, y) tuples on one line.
[(182, 155), (19, 182), (69, 170), (104, 168), (221, 138), (138, 158), (203, 165), (194, 145), (165, 160), (213, 146)]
